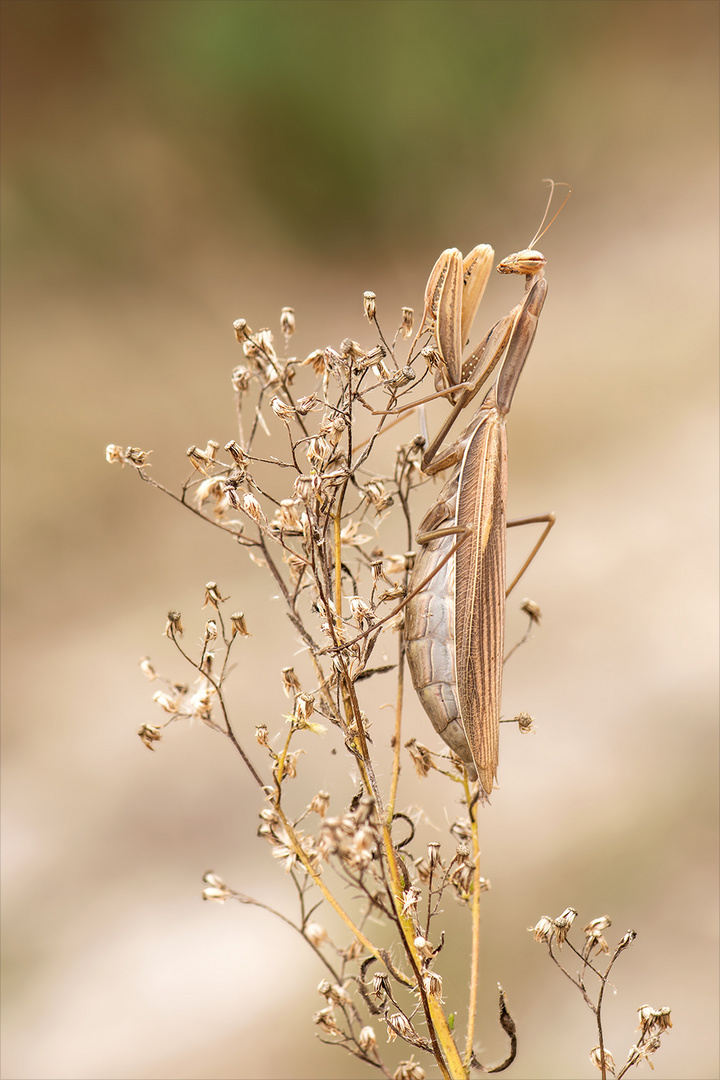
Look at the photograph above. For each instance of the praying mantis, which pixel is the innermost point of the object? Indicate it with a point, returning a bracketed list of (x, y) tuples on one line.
[(455, 615)]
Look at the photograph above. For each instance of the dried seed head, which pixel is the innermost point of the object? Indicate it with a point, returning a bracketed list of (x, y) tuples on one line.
[(317, 935), (525, 723), (149, 735), (291, 683), (627, 939), (402, 377), (597, 1059), (424, 947), (211, 631), (381, 985), (433, 985), (211, 449), (434, 859), (320, 803), (653, 1019), (147, 668), (316, 360), (311, 403), (361, 611), (287, 321), (398, 1024), (242, 330), (238, 624), (241, 379), (261, 734), (253, 509), (366, 1038), (370, 305), (319, 452), (544, 929), (406, 324), (304, 708), (166, 702), (212, 595), (421, 757), (237, 452), (531, 608), (563, 923), (113, 453), (174, 625), (410, 900), (200, 460), (213, 489), (325, 1019), (409, 1070), (282, 411)]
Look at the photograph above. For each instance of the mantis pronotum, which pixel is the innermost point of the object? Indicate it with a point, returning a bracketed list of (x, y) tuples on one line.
[(455, 617)]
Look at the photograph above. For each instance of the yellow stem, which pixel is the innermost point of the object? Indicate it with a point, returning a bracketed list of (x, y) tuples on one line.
[(475, 909), (451, 1065)]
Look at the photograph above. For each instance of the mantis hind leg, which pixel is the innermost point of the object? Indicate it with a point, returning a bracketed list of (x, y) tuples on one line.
[(539, 519)]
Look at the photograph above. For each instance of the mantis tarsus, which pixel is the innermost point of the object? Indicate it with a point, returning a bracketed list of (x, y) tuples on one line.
[(455, 616)]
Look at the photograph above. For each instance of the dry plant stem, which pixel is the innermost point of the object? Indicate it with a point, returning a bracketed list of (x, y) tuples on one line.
[(475, 922), (216, 686)]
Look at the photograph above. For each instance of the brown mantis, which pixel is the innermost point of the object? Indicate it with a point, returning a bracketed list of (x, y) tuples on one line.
[(455, 615)]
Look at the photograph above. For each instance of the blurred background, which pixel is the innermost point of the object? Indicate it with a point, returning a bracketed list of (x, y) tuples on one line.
[(169, 167)]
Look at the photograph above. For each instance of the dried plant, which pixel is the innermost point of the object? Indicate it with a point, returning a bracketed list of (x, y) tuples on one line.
[(312, 518)]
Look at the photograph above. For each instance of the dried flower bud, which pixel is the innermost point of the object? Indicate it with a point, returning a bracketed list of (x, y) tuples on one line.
[(147, 668), (136, 457), (282, 411), (381, 985), (287, 321), (238, 625), (317, 935), (370, 305), (174, 625), (531, 608), (653, 1019), (366, 1038), (261, 734), (113, 453), (253, 509), (597, 1059), (434, 859), (211, 631), (544, 929), (149, 735), (304, 708), (406, 325), (627, 939), (213, 488), (211, 449)]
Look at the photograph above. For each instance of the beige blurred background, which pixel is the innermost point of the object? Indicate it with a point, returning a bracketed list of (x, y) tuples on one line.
[(169, 167)]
